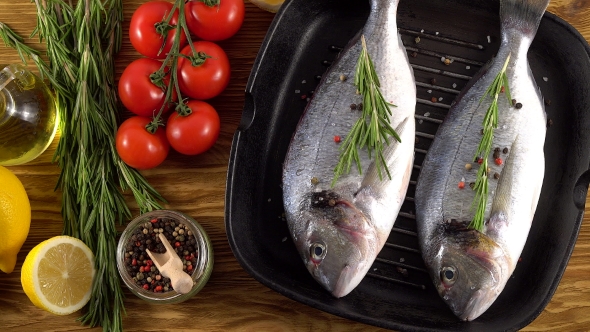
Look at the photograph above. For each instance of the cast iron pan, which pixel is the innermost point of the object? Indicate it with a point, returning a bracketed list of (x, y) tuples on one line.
[(303, 39)]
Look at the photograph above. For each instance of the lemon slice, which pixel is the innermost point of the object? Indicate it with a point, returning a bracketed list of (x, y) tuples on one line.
[(57, 275), (269, 5)]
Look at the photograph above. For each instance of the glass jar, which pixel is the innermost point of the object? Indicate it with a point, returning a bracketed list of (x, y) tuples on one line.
[(28, 116), (202, 268)]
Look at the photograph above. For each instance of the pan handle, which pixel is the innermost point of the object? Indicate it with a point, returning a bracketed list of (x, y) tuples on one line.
[(581, 190)]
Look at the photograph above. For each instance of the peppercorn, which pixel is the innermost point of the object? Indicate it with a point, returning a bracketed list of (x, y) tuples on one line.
[(518, 106), (496, 176), (505, 151), (353, 107)]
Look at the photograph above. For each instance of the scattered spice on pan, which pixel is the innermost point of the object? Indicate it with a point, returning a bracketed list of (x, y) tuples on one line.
[(468, 166), (414, 54), (461, 184), (433, 81), (353, 107), (315, 180), (433, 99), (549, 123), (545, 78), (496, 176), (496, 153), (498, 161), (402, 271), (417, 40), (518, 106), (547, 102), (337, 139), (342, 77), (505, 150)]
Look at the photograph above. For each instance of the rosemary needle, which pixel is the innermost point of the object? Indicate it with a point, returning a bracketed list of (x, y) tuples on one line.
[(372, 130), (490, 123)]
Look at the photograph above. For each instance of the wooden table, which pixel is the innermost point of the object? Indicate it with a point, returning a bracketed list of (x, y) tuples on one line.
[(232, 300)]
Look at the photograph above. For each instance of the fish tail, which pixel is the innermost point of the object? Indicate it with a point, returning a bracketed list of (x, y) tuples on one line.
[(522, 15)]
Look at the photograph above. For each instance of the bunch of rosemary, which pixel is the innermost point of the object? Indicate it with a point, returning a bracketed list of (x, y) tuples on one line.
[(82, 40)]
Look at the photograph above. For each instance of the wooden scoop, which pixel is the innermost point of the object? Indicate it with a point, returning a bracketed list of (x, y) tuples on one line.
[(170, 266)]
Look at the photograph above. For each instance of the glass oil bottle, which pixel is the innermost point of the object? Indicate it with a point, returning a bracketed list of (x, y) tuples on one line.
[(28, 116)]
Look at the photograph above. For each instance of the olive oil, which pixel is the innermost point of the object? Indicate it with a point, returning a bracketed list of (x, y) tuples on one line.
[(28, 116)]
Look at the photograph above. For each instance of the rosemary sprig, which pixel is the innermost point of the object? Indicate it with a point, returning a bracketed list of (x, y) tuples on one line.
[(372, 129), (489, 124)]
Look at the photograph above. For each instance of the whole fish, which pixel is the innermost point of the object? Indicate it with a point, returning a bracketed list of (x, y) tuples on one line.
[(470, 268), (339, 229)]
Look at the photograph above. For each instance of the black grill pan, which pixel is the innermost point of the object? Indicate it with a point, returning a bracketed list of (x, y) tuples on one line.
[(303, 40)]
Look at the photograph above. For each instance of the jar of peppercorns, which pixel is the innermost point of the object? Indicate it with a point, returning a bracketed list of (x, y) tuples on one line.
[(190, 243)]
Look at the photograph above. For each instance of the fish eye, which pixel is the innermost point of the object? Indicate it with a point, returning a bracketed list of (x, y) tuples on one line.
[(448, 275), (317, 252)]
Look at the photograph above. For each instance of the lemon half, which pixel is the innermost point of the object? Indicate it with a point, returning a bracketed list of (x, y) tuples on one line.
[(269, 5), (15, 218), (57, 275)]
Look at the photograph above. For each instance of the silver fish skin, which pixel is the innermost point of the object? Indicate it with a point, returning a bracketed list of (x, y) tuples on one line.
[(470, 268), (339, 230)]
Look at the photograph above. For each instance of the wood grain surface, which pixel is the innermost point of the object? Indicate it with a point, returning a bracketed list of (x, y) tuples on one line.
[(232, 300)]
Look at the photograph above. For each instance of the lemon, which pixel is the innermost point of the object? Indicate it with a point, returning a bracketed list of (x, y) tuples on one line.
[(57, 275), (15, 218), (269, 5)]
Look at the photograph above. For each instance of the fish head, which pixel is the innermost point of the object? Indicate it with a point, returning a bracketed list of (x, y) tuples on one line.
[(469, 272), (337, 245)]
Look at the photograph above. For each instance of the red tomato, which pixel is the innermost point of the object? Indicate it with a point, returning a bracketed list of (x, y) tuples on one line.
[(139, 148), (195, 133), (136, 90), (143, 32), (205, 80), (216, 22)]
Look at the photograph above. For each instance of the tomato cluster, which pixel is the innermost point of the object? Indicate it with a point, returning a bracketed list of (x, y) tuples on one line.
[(200, 70)]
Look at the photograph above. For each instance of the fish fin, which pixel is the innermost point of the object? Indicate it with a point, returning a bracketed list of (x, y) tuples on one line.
[(375, 176), (522, 15)]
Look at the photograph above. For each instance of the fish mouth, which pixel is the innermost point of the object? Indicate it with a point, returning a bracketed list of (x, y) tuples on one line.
[(472, 309), (348, 280)]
